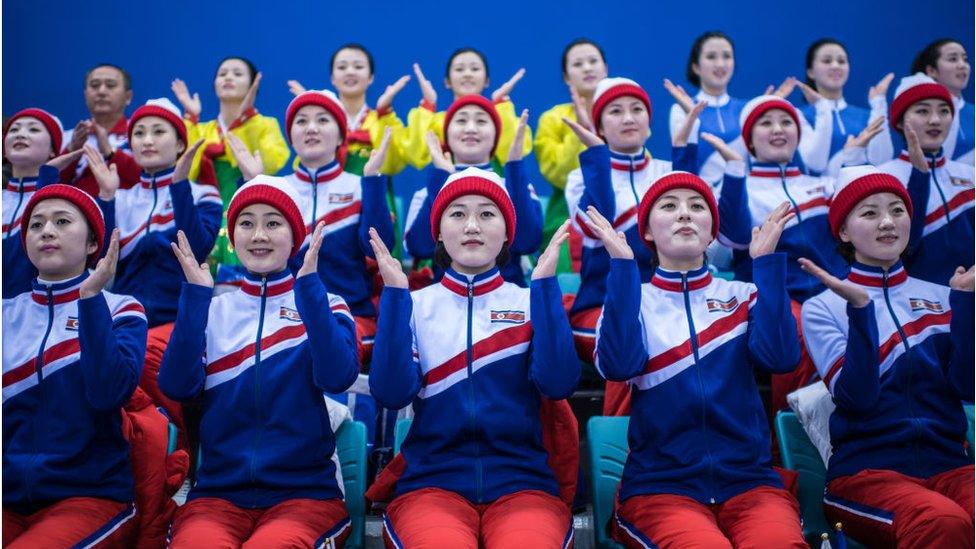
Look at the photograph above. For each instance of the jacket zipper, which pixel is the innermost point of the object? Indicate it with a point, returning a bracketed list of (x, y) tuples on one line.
[(693, 338), (721, 123), (473, 400), (908, 350), (20, 201), (40, 388), (153, 208), (633, 189), (935, 183), (315, 199), (257, 381), (782, 181)]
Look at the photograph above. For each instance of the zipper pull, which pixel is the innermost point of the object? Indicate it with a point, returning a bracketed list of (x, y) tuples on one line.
[(470, 289), (684, 282), (264, 284), (884, 278)]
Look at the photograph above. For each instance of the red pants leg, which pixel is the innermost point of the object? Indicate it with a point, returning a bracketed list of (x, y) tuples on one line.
[(667, 520), (957, 485), (616, 396), (14, 525), (83, 522), (431, 518), (211, 523), (365, 334), (762, 518), (805, 372), (881, 507), (529, 518), (156, 342), (302, 523)]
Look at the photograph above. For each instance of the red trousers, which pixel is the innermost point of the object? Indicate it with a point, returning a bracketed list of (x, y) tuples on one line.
[(881, 507), (764, 517), (365, 334), (73, 522), (156, 342), (616, 397), (434, 518), (213, 523), (805, 372)]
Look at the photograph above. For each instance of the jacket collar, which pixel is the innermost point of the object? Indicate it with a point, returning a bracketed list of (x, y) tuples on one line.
[(22, 184), (671, 280), (712, 100), (481, 284), (629, 162), (866, 275), (326, 173), (274, 284), (938, 159), (65, 291), (485, 166), (774, 170), (161, 179)]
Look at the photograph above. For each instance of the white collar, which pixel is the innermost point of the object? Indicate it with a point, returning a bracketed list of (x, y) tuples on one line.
[(711, 100)]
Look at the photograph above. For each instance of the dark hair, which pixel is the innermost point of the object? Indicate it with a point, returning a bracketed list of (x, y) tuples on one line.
[(929, 57), (812, 54), (353, 46), (459, 51), (126, 79), (250, 67), (443, 260), (580, 42), (695, 53)]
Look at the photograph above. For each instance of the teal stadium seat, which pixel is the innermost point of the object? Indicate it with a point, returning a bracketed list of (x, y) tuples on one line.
[(608, 448), (400, 433), (569, 283), (351, 448)]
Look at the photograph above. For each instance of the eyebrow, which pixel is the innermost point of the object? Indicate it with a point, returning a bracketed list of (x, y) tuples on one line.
[(56, 212)]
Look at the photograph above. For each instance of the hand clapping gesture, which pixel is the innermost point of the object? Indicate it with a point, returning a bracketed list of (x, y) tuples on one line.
[(517, 150), (766, 237), (378, 155), (614, 241), (250, 165), (311, 263), (546, 266), (104, 270), (855, 295), (195, 273), (503, 91), (440, 158), (390, 269)]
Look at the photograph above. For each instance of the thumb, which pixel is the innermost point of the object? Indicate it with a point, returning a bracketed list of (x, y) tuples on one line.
[(257, 156), (113, 169)]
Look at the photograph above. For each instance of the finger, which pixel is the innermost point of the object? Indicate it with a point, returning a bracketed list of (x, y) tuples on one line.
[(400, 83), (193, 148), (419, 73), (317, 238), (112, 255), (886, 80), (377, 242)]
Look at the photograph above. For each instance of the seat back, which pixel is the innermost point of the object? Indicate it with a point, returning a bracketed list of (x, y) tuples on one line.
[(400, 433), (608, 449), (351, 448)]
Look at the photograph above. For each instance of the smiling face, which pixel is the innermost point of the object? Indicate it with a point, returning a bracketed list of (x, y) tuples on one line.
[(232, 80), (262, 239), (471, 136), (952, 69), (930, 119), (27, 143), (466, 75), (315, 135), (105, 91), (775, 136), (155, 144), (58, 240), (351, 74), (626, 124), (584, 68), (878, 229), (473, 231), (715, 64), (680, 226), (830, 68)]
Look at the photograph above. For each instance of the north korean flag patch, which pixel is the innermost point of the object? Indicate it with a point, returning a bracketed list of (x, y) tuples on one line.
[(508, 317), (340, 198), (71, 324), (719, 306), (919, 304), (289, 314)]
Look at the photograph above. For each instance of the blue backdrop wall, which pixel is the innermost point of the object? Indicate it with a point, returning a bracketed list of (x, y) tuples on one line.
[(47, 46)]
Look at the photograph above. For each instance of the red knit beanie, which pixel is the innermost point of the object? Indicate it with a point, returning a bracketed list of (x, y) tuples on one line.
[(478, 101), (757, 107), (323, 98), (857, 183), (50, 122), (670, 181), (275, 192), (915, 88), (609, 89), (163, 108), (473, 181), (81, 200)]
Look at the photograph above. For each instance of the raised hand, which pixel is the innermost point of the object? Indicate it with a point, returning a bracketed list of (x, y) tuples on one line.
[(503, 91), (881, 88), (390, 269), (438, 156), (517, 149), (249, 97), (766, 237), (182, 170), (853, 294), (811, 95), (915, 154), (680, 96), (195, 273), (191, 104), (867, 134), (386, 100), (680, 138), (724, 150), (104, 269), (296, 87), (101, 137), (546, 266), (426, 88), (311, 263), (614, 241), (250, 165), (106, 176), (80, 134), (63, 161), (378, 155), (585, 135), (579, 107), (784, 89), (963, 280)]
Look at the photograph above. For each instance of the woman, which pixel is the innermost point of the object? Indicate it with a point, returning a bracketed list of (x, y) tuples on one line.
[(946, 62), (556, 146), (897, 356), (699, 471), (476, 472), (828, 67)]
